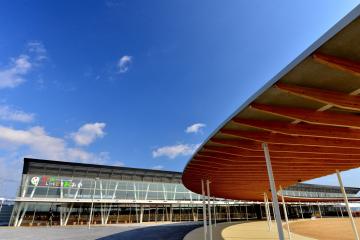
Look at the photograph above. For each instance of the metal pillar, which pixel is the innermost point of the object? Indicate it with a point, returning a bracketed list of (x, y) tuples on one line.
[(22, 215), (319, 210), (228, 212), (61, 216), (32, 220), (246, 213), (267, 211), (285, 213), (341, 212), (347, 205), (171, 212), (19, 209), (142, 213), (68, 215), (301, 211), (92, 204), (214, 206), (209, 208), (204, 208), (273, 192)]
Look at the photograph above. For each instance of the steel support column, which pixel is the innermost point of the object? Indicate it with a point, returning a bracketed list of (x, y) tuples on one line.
[(319, 210), (341, 212), (142, 213), (92, 204), (285, 213), (347, 205), (23, 214), (214, 207), (19, 209), (273, 192), (301, 211), (68, 214), (246, 213), (209, 208), (204, 207), (267, 211)]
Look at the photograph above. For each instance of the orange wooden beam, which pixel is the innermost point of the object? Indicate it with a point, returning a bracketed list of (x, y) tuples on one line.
[(342, 64), (232, 151), (278, 138), (256, 146), (338, 99), (220, 158), (303, 129), (311, 116)]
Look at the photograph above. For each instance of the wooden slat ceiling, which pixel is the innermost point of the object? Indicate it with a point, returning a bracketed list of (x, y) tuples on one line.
[(309, 115)]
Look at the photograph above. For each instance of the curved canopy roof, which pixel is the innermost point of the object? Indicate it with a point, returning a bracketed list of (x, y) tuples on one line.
[(309, 114)]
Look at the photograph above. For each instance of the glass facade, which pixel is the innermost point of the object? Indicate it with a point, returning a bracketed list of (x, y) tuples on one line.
[(318, 191), (45, 186)]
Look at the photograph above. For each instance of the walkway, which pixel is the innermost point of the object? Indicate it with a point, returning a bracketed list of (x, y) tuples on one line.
[(146, 231), (241, 231), (326, 228)]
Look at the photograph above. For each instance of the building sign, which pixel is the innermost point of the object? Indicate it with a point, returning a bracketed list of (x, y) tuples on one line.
[(54, 182)]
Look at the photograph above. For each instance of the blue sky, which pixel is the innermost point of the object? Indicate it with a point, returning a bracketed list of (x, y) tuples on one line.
[(124, 82)]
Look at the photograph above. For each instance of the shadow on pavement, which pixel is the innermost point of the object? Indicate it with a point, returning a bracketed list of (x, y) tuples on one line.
[(163, 232)]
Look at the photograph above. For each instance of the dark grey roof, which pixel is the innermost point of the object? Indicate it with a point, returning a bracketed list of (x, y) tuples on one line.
[(71, 169)]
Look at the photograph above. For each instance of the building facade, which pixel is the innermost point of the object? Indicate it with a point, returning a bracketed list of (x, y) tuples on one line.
[(64, 193)]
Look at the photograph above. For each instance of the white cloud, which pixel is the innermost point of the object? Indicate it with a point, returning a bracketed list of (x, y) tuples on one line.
[(124, 63), (14, 74), (175, 150), (10, 114), (38, 144), (88, 133), (195, 128), (158, 167), (38, 50), (35, 142)]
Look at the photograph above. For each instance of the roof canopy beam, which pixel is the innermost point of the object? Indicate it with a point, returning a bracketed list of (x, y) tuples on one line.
[(278, 138), (301, 129), (231, 151), (311, 116), (255, 146), (338, 99), (338, 63)]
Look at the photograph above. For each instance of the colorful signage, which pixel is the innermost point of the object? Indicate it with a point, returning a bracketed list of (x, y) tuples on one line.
[(54, 182)]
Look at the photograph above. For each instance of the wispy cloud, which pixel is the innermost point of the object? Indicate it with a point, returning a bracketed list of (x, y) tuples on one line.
[(15, 72), (158, 167), (124, 63), (118, 163), (13, 75), (195, 128), (175, 150), (38, 50), (88, 133), (8, 113)]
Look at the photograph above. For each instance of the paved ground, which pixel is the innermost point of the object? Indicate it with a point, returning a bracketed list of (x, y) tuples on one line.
[(175, 231), (243, 230), (326, 228)]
